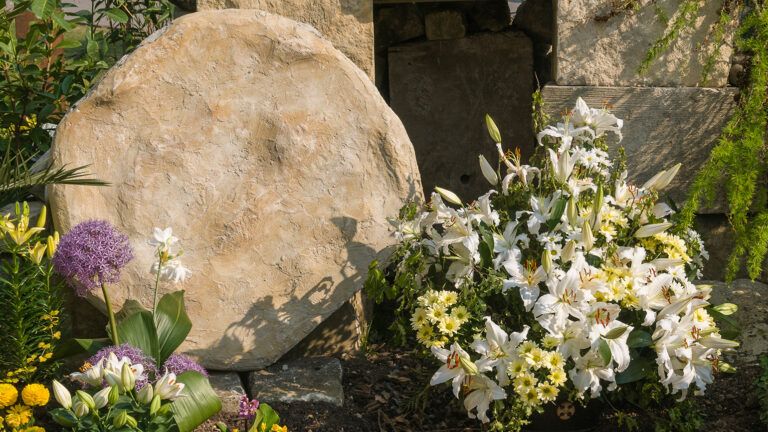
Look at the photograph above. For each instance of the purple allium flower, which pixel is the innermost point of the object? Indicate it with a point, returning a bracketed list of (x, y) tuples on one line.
[(93, 252), (248, 408), (134, 354), (179, 363)]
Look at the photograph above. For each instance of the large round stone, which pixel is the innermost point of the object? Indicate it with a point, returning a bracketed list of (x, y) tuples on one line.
[(271, 155)]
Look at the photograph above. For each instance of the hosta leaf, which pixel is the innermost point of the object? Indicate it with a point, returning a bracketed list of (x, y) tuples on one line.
[(139, 331), (172, 324), (198, 404), (639, 338), (637, 370)]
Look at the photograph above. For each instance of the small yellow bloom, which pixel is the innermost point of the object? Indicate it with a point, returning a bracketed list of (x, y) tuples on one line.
[(547, 392), (517, 367), (276, 428), (526, 347), (8, 395), (554, 360), (419, 318), (33, 429), (436, 313), (56, 335), (449, 325), (524, 381), (35, 395), (535, 357), (530, 397), (18, 415), (37, 252), (460, 313), (448, 298), (557, 377)]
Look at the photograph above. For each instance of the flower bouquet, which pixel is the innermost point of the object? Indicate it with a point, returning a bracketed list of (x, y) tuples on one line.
[(563, 281)]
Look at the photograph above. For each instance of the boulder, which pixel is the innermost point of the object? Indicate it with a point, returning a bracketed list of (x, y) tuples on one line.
[(445, 25), (310, 379), (271, 155), (229, 388), (346, 23), (604, 42)]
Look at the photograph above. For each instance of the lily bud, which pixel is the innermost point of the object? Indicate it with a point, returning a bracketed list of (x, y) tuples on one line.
[(726, 308), (80, 408), (493, 130), (568, 251), (154, 406), (119, 420), (718, 343), (114, 394), (652, 229), (130, 421), (41, 217), (86, 399), (127, 377), (572, 211), (52, 243), (101, 398), (586, 236), (146, 394), (597, 206), (62, 395), (546, 261), (448, 195), (668, 176), (488, 172), (469, 367)]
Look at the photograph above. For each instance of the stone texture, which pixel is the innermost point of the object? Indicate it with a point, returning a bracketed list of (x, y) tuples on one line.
[(442, 91), (229, 388), (397, 24), (445, 25), (313, 379), (662, 126), (489, 15), (752, 316), (346, 23), (275, 160), (536, 19), (598, 43)]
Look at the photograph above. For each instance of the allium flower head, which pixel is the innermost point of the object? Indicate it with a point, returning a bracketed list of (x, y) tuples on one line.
[(135, 355), (179, 363), (93, 252)]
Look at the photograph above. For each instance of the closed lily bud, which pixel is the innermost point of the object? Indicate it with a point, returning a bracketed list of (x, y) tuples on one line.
[(586, 236), (52, 243), (667, 178), (652, 229), (651, 183), (154, 406), (568, 251), (62, 395), (717, 342), (488, 172), (86, 399), (493, 130), (726, 308), (546, 261), (41, 218), (101, 397), (597, 206), (119, 420), (572, 211), (80, 408), (146, 394), (448, 195), (127, 377), (114, 394), (130, 421), (468, 365)]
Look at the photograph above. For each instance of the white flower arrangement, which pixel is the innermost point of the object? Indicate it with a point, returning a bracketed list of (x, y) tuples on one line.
[(589, 273)]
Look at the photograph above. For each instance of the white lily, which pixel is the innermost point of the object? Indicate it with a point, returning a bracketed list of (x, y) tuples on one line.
[(457, 366), (588, 373), (482, 211), (652, 229), (662, 179), (563, 299), (62, 395), (482, 391), (615, 335), (498, 349), (92, 375), (527, 281), (562, 165), (167, 388), (163, 239), (101, 397), (506, 248), (599, 120)]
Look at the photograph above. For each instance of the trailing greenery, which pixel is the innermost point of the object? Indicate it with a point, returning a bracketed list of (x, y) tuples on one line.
[(762, 390), (685, 18), (55, 60)]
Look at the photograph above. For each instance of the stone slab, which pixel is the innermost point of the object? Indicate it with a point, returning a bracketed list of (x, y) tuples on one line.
[(441, 90), (311, 379), (752, 316), (229, 388), (348, 24), (445, 25), (600, 43), (275, 160), (662, 126)]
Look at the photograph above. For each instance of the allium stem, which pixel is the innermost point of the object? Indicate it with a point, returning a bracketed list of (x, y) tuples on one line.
[(157, 282), (111, 314)]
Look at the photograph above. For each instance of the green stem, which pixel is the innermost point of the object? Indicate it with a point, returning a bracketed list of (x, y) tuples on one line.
[(111, 314), (157, 282)]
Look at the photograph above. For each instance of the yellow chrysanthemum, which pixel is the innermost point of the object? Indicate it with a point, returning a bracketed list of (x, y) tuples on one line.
[(550, 341), (526, 347), (547, 392), (517, 367), (33, 429), (436, 313), (554, 360), (35, 395), (419, 318), (535, 357), (425, 334), (448, 298), (557, 377), (525, 381), (460, 313), (8, 395), (18, 415), (530, 397), (449, 325)]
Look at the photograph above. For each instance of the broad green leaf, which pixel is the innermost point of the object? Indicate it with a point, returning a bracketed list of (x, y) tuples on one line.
[(172, 324), (129, 308), (92, 49), (78, 346), (638, 369), (59, 19), (139, 331), (265, 415), (68, 44), (605, 351), (117, 15), (729, 328), (639, 338), (198, 404), (615, 333), (43, 8)]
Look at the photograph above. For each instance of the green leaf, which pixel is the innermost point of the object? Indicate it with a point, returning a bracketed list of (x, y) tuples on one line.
[(605, 351), (639, 338), (614, 333), (198, 404), (117, 15), (557, 213), (265, 415), (68, 44), (59, 19), (172, 324), (129, 308), (729, 328), (92, 49), (43, 8), (138, 330), (638, 369)]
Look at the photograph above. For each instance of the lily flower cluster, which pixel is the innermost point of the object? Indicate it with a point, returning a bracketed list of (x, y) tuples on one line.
[(118, 402), (589, 272)]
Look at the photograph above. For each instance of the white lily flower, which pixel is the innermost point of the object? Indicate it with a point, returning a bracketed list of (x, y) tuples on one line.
[(506, 247), (562, 165), (527, 281), (482, 210), (171, 271), (457, 366), (163, 239), (482, 391), (92, 376), (448, 196), (588, 373), (541, 209), (564, 299), (167, 388), (498, 349), (462, 265), (599, 120), (101, 397), (615, 334)]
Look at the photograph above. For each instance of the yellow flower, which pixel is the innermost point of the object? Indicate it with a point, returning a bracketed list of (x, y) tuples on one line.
[(526, 347), (18, 415), (276, 428), (33, 429), (425, 334), (535, 357), (524, 381), (557, 377), (37, 252), (448, 298), (35, 395), (460, 313), (419, 318), (8, 395), (436, 313), (530, 397), (548, 392), (449, 325), (20, 232), (517, 367), (554, 360)]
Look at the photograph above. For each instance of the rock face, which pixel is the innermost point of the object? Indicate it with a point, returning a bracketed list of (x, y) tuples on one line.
[(346, 23), (442, 91), (601, 43), (752, 316), (317, 379), (275, 160), (662, 126)]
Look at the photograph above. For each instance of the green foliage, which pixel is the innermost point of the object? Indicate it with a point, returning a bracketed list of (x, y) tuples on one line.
[(30, 302), (57, 59), (685, 17), (762, 389), (737, 164)]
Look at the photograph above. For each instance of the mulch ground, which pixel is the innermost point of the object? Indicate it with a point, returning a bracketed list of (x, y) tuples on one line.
[(386, 391)]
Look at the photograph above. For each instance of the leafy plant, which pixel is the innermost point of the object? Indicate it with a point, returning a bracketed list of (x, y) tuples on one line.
[(762, 389)]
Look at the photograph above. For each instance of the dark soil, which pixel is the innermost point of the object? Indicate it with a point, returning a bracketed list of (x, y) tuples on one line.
[(386, 391)]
